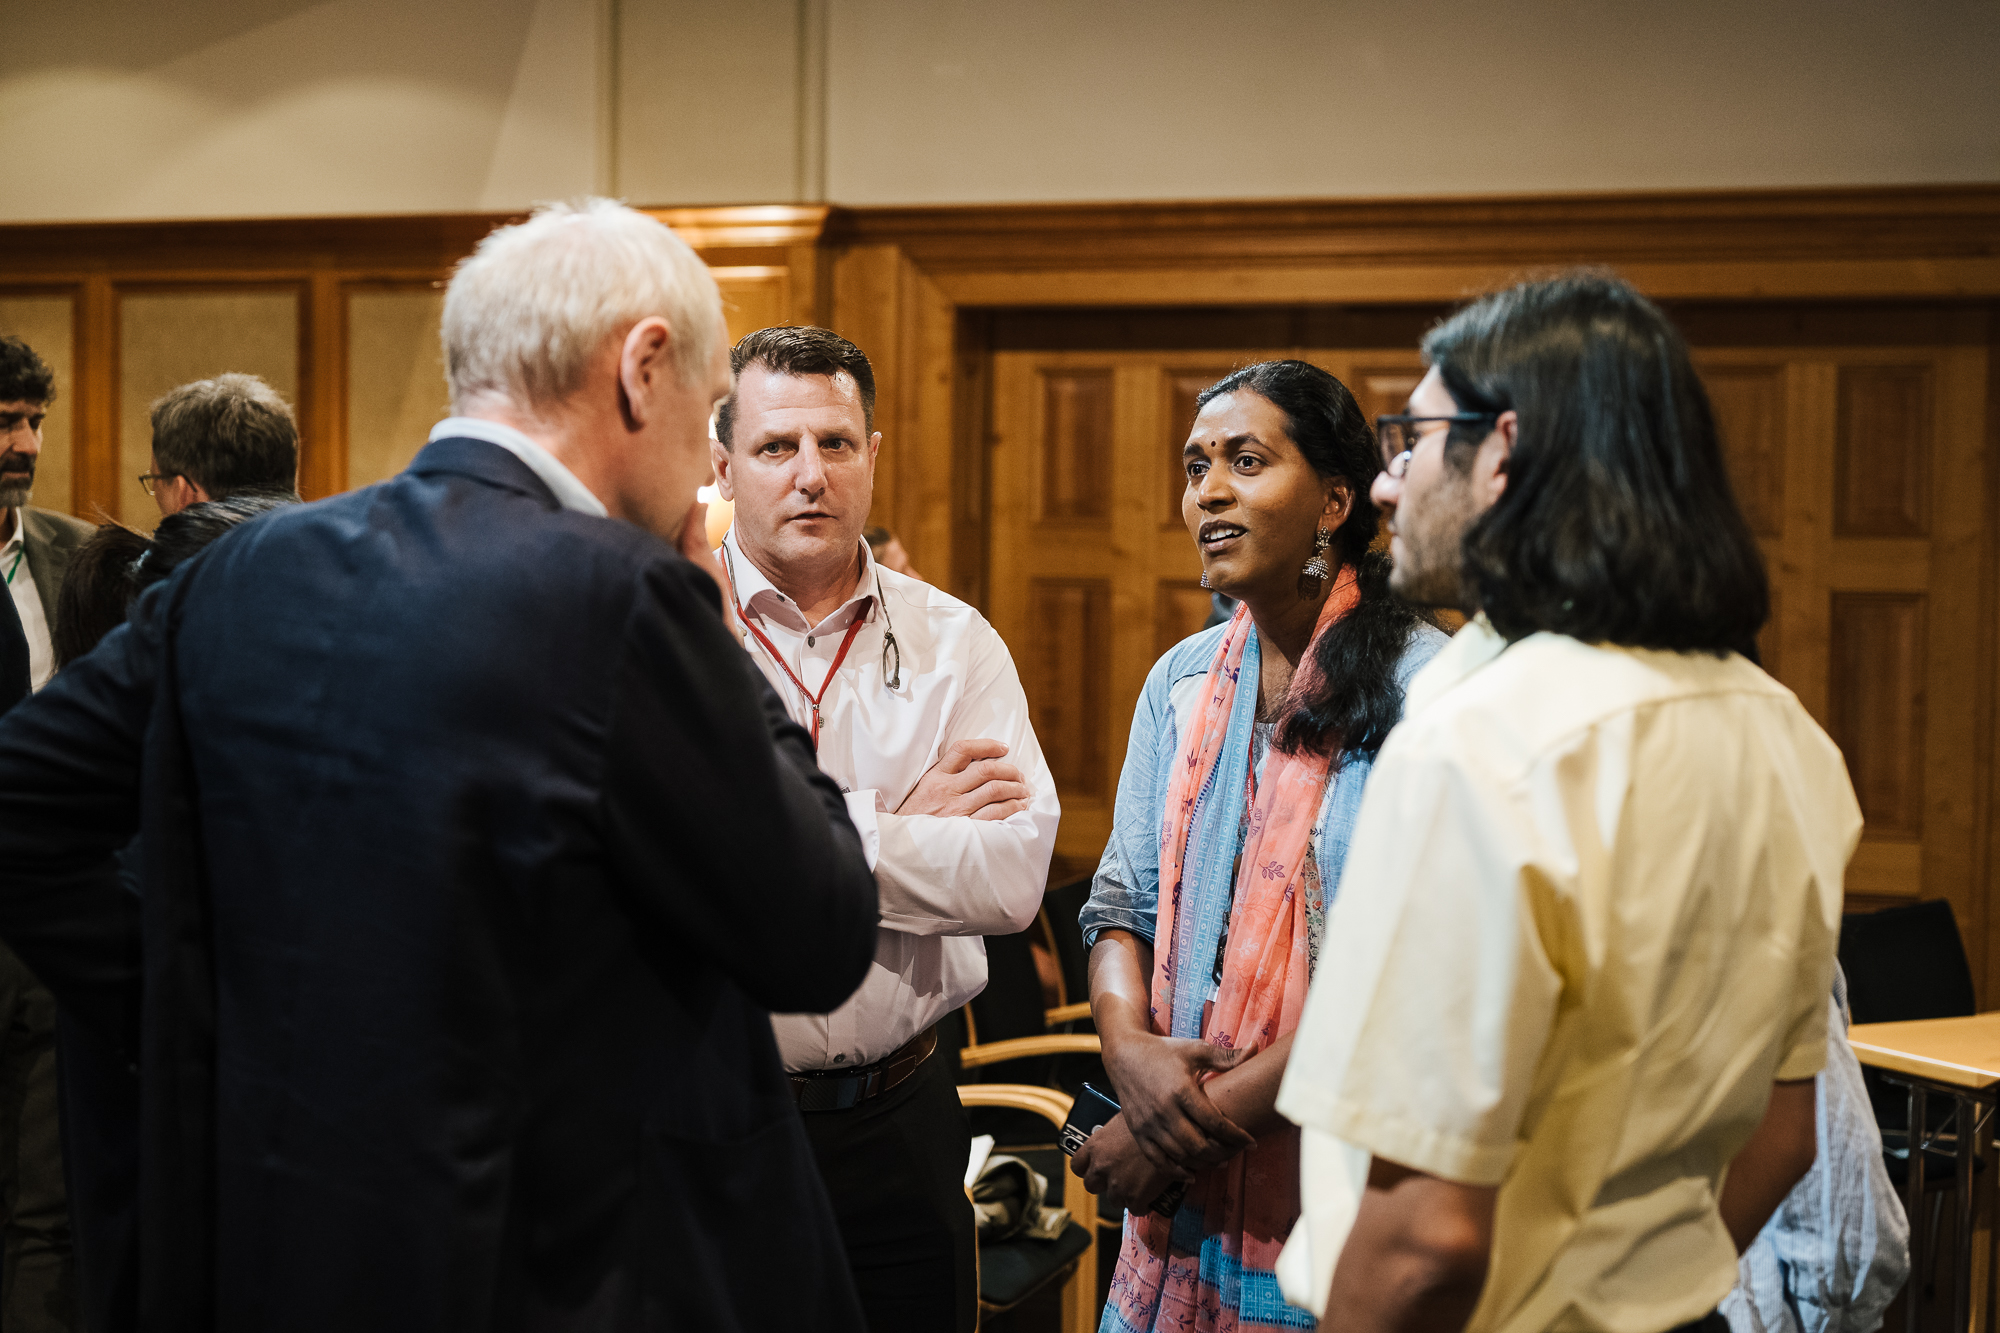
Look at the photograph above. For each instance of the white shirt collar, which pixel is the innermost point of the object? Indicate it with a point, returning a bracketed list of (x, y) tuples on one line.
[(758, 596), (20, 530), (569, 492), (1475, 645)]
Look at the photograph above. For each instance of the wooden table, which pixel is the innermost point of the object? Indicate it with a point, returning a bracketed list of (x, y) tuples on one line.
[(1958, 1058)]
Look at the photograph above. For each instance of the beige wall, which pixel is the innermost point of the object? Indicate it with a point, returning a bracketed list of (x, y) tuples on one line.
[(228, 108), (1037, 99), (215, 108)]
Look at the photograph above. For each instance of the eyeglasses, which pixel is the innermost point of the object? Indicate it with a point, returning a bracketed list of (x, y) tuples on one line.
[(1398, 435), (149, 481)]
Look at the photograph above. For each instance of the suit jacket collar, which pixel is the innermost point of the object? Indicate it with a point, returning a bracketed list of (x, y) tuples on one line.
[(49, 539), (482, 461)]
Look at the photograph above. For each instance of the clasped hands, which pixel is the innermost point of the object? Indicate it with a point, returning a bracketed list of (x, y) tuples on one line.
[(1167, 1128)]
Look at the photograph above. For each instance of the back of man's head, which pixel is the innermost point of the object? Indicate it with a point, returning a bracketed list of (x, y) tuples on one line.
[(228, 434), (1618, 523), (528, 309), (24, 377), (799, 349)]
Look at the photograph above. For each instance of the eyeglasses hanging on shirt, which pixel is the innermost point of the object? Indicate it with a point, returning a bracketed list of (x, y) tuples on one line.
[(893, 676)]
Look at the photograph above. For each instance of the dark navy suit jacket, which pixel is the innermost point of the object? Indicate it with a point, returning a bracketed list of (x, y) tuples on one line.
[(475, 856)]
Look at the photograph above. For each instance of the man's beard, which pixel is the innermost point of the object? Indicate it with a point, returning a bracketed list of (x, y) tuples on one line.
[(1430, 568), (15, 486)]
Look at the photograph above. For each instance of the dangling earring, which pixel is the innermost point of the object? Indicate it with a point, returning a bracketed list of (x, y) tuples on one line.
[(1317, 570), (1204, 578)]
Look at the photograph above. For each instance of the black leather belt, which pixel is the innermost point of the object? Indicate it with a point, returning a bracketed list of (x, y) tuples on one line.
[(842, 1089)]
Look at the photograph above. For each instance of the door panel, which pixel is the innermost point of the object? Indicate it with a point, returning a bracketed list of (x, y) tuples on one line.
[(1835, 454), (1858, 468)]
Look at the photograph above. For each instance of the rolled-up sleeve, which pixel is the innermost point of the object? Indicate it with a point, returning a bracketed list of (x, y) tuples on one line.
[(1125, 893)]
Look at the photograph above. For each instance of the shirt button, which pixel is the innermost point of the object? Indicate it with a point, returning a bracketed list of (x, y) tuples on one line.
[(809, 640), (840, 1059)]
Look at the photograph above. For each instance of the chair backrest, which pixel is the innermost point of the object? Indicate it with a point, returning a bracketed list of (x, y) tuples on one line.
[(1906, 962), (1011, 1005)]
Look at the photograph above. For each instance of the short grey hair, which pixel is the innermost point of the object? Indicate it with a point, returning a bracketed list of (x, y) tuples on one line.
[(528, 309), (226, 434)]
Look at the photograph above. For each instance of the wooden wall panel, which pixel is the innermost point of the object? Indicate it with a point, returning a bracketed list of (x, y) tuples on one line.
[(1065, 672), (1876, 697), (395, 381), (1882, 485), (166, 339), (1770, 640), (754, 296), (47, 323), (1076, 447), (1183, 386), (1749, 403), (1183, 607), (1383, 390)]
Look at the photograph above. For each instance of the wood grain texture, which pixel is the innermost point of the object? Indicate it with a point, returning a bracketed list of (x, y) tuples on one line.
[(1383, 390), (95, 460), (1749, 405), (1935, 222), (1882, 484), (1182, 608), (1076, 454), (1065, 671), (322, 379), (1876, 698)]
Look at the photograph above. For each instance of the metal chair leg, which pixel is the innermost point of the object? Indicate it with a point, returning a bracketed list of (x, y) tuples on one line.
[(1913, 1199)]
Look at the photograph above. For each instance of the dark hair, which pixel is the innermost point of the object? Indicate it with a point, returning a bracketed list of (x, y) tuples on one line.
[(226, 434), (115, 564), (1618, 523), (96, 588), (1355, 697), (24, 377), (877, 537), (798, 349)]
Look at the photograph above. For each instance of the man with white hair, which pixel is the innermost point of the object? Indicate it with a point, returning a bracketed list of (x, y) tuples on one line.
[(475, 855)]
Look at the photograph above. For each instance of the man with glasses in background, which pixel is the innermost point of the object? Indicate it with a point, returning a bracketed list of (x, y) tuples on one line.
[(35, 550), (232, 435)]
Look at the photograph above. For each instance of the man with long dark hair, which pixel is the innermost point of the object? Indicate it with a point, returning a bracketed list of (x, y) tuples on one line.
[(1577, 979)]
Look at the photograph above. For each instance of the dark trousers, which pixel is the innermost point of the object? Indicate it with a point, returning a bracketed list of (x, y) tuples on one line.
[(37, 1278), (895, 1170)]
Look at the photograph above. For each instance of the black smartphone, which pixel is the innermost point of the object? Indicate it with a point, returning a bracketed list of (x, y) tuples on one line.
[(1091, 1109)]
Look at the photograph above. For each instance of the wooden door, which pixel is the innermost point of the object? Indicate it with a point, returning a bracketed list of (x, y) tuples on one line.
[(1860, 468), (1093, 574), (1862, 471)]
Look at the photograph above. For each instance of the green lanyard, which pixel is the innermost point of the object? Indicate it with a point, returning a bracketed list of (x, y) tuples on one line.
[(16, 565)]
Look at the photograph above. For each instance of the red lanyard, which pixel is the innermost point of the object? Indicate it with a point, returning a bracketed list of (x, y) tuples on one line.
[(853, 628), (831, 671)]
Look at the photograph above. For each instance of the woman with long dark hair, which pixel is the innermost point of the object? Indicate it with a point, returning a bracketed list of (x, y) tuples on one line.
[(1248, 752)]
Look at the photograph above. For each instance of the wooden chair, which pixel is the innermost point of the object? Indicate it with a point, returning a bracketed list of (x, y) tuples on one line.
[(1010, 1271), (1009, 1021)]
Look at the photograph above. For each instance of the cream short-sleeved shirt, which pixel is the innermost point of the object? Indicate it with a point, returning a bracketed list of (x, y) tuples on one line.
[(1587, 918)]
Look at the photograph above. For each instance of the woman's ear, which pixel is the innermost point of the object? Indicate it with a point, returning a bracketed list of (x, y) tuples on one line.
[(1339, 502)]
